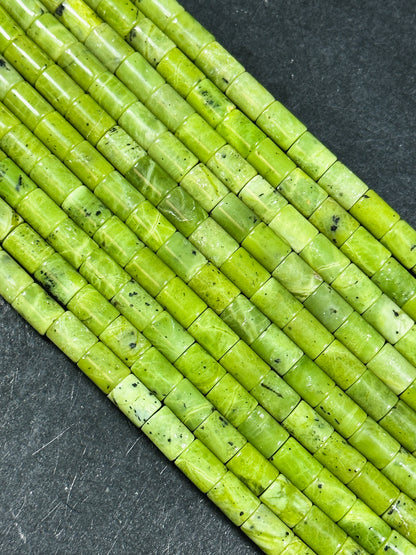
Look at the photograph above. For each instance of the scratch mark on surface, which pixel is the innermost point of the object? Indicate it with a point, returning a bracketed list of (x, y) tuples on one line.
[(52, 440), (48, 514), (131, 446), (116, 538)]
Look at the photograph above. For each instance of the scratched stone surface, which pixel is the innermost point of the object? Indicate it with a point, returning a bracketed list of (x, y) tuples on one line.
[(75, 476)]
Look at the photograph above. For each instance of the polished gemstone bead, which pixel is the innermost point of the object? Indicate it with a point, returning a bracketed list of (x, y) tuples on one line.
[(156, 372), (92, 309), (278, 350), (124, 340), (232, 400), (296, 463), (199, 464), (71, 336), (243, 363), (220, 437), (286, 501), (374, 213), (188, 404), (343, 185), (179, 71), (200, 368), (37, 308), (340, 364), (276, 396), (209, 102), (218, 65)]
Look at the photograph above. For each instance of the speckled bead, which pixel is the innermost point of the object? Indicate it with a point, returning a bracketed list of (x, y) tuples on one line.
[(365, 251), (134, 400), (201, 466), (245, 319), (220, 437), (136, 305), (387, 317), (184, 305), (373, 394), (402, 517), (182, 211), (244, 365), (199, 137), (150, 225), (297, 547), (271, 162), (298, 278), (286, 501), (374, 213), (156, 372), (118, 240), (92, 309), (180, 255), (71, 336), (232, 400), (228, 166), (204, 187), (89, 118), (88, 164), (71, 242), (122, 14), (150, 179), (169, 107), (409, 395), (308, 333), (210, 103), (213, 241), (27, 247), (218, 65), (334, 221), (26, 149), (251, 97), (59, 278), (262, 198), (168, 336), (360, 337), (276, 396), (80, 64), (406, 345), (15, 185), (188, 404), (343, 185), (328, 307), (150, 271), (311, 155), (309, 381), (277, 349), (302, 192), (355, 287), (86, 210), (213, 334), (179, 71), (104, 273), (266, 246), (401, 240), (140, 76), (38, 208), (296, 463), (397, 543), (391, 367), (37, 308), (149, 40), (213, 287), (398, 284), (9, 220), (400, 422), (172, 156), (340, 364), (263, 432), (325, 258), (340, 458), (241, 133), (245, 272), (272, 295), (14, 280), (188, 33), (58, 135), (310, 430), (401, 471), (57, 181), (119, 149), (200, 368), (124, 340)]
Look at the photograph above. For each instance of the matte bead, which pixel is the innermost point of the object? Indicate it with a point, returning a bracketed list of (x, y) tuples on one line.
[(200, 368), (360, 336), (296, 463), (355, 287), (271, 162), (328, 307), (81, 64), (108, 46), (400, 422), (24, 147), (134, 400), (179, 71), (86, 210), (59, 278), (285, 500), (245, 272), (172, 155), (325, 258), (161, 11), (200, 466), (340, 364), (168, 336), (15, 185), (398, 284), (213, 288), (233, 171), (168, 433), (213, 334), (402, 517), (311, 155), (119, 149), (37, 308), (330, 495), (167, 105), (263, 432), (298, 278), (220, 437), (365, 527), (41, 211), (148, 270), (149, 40), (340, 458), (149, 178), (123, 15), (156, 372), (9, 220), (199, 137), (204, 187), (124, 340), (182, 211), (150, 225), (56, 134), (71, 242), (118, 240), (267, 531), (365, 251), (136, 305), (139, 76), (188, 34), (88, 165), (277, 349), (262, 198), (71, 336), (308, 333), (401, 471), (27, 104), (213, 241), (180, 255), (370, 392), (245, 319), (89, 118), (210, 103), (251, 97), (275, 396), (374, 213), (184, 305), (104, 273), (375, 443), (387, 317), (309, 381), (241, 133), (374, 489), (334, 221), (27, 247), (401, 240), (391, 367), (92, 309), (218, 65), (293, 228), (302, 191), (56, 180), (188, 404), (243, 363), (232, 400), (112, 95), (343, 185), (265, 246)]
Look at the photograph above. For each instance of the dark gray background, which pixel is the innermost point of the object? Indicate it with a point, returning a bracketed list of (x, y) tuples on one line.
[(76, 477)]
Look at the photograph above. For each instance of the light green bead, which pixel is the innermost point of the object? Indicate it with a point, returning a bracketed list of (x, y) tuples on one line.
[(330, 495), (213, 287), (119, 149), (54, 178), (308, 333), (139, 76), (309, 381), (104, 273), (247, 274), (253, 469), (302, 192), (233, 171), (92, 309), (89, 118), (167, 105), (26, 149), (263, 432), (182, 211), (401, 471), (252, 98), (149, 270), (179, 71), (398, 544), (141, 124), (356, 288), (134, 400), (168, 336), (218, 65), (86, 210), (343, 185), (374, 213), (402, 517), (88, 165), (240, 132), (58, 135), (156, 372), (234, 499), (188, 34), (200, 368), (296, 463), (232, 400), (271, 162), (311, 155), (149, 40), (298, 278), (334, 221), (267, 531), (286, 501), (136, 305), (149, 178), (375, 443), (360, 336), (71, 336), (340, 458), (262, 198), (168, 433), (391, 367), (280, 125), (325, 258), (365, 251), (41, 211), (27, 104), (59, 278), (388, 319), (372, 394), (118, 240), (27, 247), (12, 30), (8, 120), (409, 395), (220, 437), (124, 340), (309, 429), (150, 225), (172, 155), (235, 217), (340, 364), (213, 241), (328, 307), (276, 396), (9, 220), (112, 95), (213, 334), (401, 240), (199, 137), (107, 45), (341, 412), (374, 488), (53, 36), (406, 345), (103, 367), (81, 65), (365, 527), (122, 15), (291, 226), (37, 308), (184, 305), (272, 295), (209, 102), (398, 284), (161, 11), (200, 466), (297, 547), (265, 246), (204, 187), (15, 185), (71, 242), (245, 319), (188, 404), (26, 58), (400, 422), (277, 349), (25, 14), (180, 255)]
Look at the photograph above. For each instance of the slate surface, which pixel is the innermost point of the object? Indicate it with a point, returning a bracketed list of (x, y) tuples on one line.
[(75, 476)]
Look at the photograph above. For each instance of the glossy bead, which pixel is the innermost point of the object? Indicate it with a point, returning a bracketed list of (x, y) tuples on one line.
[(15, 185), (374, 488), (355, 287), (204, 187), (86, 210), (81, 64), (200, 368), (267, 531), (387, 317), (320, 532), (391, 367), (328, 307), (37, 308), (139, 76), (150, 225), (297, 277), (112, 95), (156, 372), (218, 65), (149, 40), (26, 149), (136, 305), (180, 255), (271, 162), (276, 396), (401, 471), (340, 458), (311, 155), (398, 284), (213, 334), (92, 309), (373, 394), (375, 443), (245, 319), (71, 242), (365, 251), (272, 295), (182, 211), (105, 274), (262, 198), (56, 134), (200, 465), (241, 133), (39, 209), (278, 350), (228, 166), (150, 179), (71, 336), (236, 218), (265, 246), (172, 155), (198, 136), (56, 180), (184, 305), (108, 46), (148, 270), (188, 404), (302, 191), (401, 241), (167, 105), (27, 104), (245, 272), (53, 36), (374, 213), (334, 221), (244, 365), (263, 432), (213, 241), (122, 15), (27, 247), (360, 336), (9, 220), (340, 364), (309, 429), (308, 333), (251, 97), (285, 500), (124, 340), (210, 103), (89, 118), (119, 149), (400, 422), (168, 336), (325, 258), (343, 185), (88, 165), (232, 400), (296, 463), (220, 437), (179, 71), (213, 287), (309, 381), (118, 240), (402, 517), (59, 278), (188, 33)]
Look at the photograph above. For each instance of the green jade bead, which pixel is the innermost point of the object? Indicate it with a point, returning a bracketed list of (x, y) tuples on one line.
[(204, 187), (213, 334), (188, 404), (398, 284), (201, 466), (340, 458), (296, 463), (286, 501), (161, 11), (213, 241), (228, 166), (272, 295), (365, 527), (334, 221), (47, 30), (308, 334), (351, 548), (107, 45), (375, 443), (325, 258), (56, 86), (362, 339), (400, 240), (141, 78), (179, 71), (26, 149), (398, 544), (340, 364), (409, 395), (265, 246), (7, 121), (9, 220), (291, 226), (86, 210), (26, 104), (15, 185), (232, 400), (371, 392), (393, 369), (150, 225), (57, 134), (374, 213), (25, 245), (247, 274), (120, 149), (328, 307), (365, 251), (89, 118), (271, 162), (262, 198), (278, 350), (169, 107), (37, 308), (220, 437), (149, 40), (111, 94), (88, 165), (253, 469), (387, 317), (172, 156), (124, 340), (263, 432), (213, 287), (276, 396), (209, 102), (57, 181), (311, 155), (343, 185), (153, 275), (400, 422), (71, 242), (251, 97), (302, 191), (27, 13), (309, 381), (185, 30), (241, 133), (14, 280), (218, 65), (156, 372), (245, 319), (297, 277), (168, 433), (168, 336), (71, 336), (141, 124), (402, 517), (118, 240), (80, 64), (180, 255), (297, 547), (134, 400), (356, 288), (92, 309), (184, 305), (406, 345), (244, 365), (104, 273), (401, 471), (136, 305), (59, 278), (198, 136), (200, 368), (280, 125), (10, 31), (182, 211), (149, 178), (39, 209), (320, 532), (308, 427), (236, 218)]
